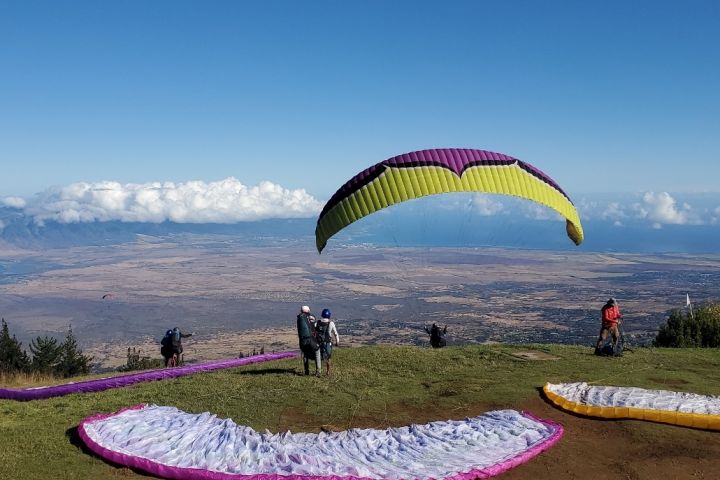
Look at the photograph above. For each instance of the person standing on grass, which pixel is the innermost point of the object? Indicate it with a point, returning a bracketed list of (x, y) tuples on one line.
[(437, 335), (176, 342), (327, 335), (611, 317), (309, 344)]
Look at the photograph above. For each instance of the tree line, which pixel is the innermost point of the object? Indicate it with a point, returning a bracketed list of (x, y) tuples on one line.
[(688, 329), (48, 356)]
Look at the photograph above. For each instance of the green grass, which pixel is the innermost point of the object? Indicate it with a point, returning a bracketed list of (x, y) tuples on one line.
[(371, 386)]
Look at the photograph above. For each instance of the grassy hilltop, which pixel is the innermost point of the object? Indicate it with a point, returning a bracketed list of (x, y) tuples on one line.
[(393, 386)]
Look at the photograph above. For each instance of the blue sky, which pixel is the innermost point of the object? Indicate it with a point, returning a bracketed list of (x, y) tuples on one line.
[(605, 96)]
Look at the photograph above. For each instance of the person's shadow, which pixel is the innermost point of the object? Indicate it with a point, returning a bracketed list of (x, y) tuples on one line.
[(269, 371), (74, 437)]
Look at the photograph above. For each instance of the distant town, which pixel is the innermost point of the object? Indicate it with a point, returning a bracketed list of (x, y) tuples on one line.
[(227, 286)]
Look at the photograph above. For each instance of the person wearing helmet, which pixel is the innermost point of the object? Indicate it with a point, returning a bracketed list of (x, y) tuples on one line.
[(328, 335), (171, 346), (309, 344), (611, 317), (166, 347), (177, 336)]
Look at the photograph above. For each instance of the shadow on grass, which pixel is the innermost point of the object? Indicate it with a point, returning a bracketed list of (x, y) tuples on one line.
[(74, 438), (544, 397), (270, 371)]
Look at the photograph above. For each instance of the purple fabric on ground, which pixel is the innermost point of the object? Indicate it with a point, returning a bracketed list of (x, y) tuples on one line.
[(97, 385)]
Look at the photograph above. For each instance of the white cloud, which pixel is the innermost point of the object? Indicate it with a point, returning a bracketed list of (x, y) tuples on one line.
[(535, 211), (615, 212), (661, 209), (654, 209), (715, 218), (586, 208), (224, 201), (15, 202), (485, 206)]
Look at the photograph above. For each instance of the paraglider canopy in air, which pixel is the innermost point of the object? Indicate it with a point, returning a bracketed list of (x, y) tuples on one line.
[(430, 172)]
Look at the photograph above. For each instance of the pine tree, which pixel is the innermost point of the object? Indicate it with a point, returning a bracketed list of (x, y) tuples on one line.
[(682, 330), (12, 357), (46, 354), (72, 361)]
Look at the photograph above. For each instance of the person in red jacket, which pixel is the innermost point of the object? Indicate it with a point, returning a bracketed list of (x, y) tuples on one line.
[(611, 317)]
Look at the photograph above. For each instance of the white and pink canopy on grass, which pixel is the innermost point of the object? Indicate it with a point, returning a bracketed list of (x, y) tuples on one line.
[(170, 443)]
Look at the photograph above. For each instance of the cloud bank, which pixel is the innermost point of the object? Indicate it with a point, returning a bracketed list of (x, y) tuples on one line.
[(653, 209), (224, 201), (14, 202), (657, 209), (229, 201)]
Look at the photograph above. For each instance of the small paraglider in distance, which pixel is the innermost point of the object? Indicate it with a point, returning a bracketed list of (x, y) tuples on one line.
[(108, 296), (431, 172)]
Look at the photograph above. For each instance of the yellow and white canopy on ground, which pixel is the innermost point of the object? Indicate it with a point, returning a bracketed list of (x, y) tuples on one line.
[(677, 408)]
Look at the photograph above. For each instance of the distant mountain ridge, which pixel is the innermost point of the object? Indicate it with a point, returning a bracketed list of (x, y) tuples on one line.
[(21, 230), (409, 227)]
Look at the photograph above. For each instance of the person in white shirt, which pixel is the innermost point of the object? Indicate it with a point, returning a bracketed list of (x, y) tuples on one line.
[(328, 336)]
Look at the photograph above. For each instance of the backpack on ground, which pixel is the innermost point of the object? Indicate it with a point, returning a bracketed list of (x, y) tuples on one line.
[(607, 350)]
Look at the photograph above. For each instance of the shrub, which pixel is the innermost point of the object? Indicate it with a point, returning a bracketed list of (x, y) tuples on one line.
[(136, 362), (682, 330), (72, 361), (45, 355), (12, 357)]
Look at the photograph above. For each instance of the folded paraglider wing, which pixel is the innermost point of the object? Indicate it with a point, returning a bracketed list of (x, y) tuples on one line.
[(170, 443), (664, 406)]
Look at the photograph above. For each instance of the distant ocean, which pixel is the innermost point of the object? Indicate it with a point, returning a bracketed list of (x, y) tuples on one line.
[(422, 223), (450, 229)]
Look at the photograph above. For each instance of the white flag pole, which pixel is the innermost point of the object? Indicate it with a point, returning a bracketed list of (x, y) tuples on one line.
[(688, 304)]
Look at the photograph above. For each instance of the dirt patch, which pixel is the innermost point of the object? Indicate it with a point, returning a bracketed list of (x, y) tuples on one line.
[(625, 449), (534, 355), (202, 348), (673, 382), (590, 448), (403, 414)]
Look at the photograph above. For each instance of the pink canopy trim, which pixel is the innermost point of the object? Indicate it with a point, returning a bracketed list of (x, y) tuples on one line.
[(180, 473)]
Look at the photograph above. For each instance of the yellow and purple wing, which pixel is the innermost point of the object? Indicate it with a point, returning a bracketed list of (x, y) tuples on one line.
[(430, 172)]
